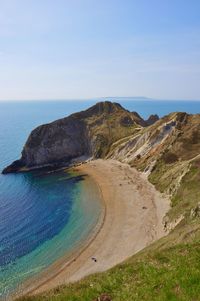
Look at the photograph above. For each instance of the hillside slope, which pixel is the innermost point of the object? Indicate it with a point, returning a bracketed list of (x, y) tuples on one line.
[(162, 272), (168, 153)]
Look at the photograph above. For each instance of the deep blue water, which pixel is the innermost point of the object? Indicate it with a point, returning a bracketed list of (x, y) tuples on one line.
[(37, 201), (43, 215)]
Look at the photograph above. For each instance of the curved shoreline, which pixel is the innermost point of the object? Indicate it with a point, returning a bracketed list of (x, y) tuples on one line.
[(132, 220), (64, 262)]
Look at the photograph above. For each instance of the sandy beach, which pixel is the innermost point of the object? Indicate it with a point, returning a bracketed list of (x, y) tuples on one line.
[(132, 219)]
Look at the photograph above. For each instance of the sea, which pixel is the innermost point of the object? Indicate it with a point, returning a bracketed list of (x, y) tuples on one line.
[(43, 215)]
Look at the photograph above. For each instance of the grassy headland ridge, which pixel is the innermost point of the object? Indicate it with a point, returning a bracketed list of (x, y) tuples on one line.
[(168, 153)]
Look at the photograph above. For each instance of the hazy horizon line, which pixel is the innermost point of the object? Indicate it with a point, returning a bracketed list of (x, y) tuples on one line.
[(98, 99)]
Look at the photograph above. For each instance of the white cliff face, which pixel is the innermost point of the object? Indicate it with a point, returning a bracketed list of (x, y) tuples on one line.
[(54, 142)]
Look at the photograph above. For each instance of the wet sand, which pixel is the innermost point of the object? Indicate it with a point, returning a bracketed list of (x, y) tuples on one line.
[(132, 219)]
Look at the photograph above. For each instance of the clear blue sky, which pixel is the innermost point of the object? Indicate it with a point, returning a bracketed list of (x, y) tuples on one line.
[(64, 49)]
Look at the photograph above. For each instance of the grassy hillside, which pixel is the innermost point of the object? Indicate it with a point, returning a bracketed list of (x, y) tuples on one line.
[(164, 271), (108, 127)]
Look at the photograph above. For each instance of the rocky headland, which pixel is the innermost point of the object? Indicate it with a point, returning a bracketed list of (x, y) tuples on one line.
[(85, 134)]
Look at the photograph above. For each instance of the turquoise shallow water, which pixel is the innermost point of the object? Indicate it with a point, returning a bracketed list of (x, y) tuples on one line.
[(55, 215), (43, 216)]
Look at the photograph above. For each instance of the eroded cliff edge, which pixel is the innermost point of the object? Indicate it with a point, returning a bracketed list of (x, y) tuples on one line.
[(89, 133)]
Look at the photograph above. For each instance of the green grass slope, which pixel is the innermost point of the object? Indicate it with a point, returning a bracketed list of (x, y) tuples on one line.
[(164, 271)]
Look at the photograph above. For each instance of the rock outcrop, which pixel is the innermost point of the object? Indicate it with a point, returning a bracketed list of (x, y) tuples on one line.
[(173, 138), (88, 133), (152, 119)]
